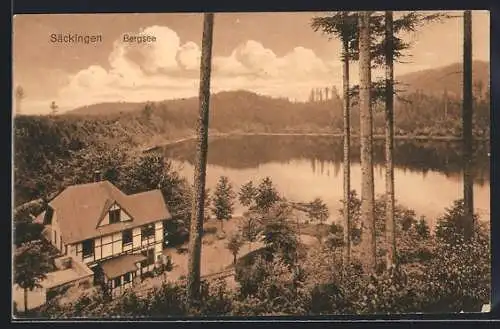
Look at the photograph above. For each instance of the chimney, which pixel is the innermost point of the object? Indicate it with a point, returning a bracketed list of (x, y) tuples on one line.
[(97, 176)]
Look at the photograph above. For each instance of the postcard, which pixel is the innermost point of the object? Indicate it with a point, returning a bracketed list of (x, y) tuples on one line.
[(172, 165)]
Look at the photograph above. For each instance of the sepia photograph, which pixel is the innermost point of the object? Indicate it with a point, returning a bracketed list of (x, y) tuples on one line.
[(216, 165)]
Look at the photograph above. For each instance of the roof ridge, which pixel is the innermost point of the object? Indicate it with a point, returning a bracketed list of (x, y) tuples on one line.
[(144, 192)]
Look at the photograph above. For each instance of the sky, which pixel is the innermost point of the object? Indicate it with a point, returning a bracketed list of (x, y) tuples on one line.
[(275, 54)]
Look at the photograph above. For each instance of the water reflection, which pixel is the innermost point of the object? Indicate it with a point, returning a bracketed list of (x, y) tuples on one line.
[(428, 175)]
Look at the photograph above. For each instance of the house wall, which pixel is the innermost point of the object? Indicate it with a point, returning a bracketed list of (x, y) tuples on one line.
[(117, 290), (111, 245), (55, 234)]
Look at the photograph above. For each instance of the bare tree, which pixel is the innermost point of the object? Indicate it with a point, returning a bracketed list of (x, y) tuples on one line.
[(196, 230)]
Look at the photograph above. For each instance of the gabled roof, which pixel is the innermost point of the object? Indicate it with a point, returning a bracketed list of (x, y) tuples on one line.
[(80, 208)]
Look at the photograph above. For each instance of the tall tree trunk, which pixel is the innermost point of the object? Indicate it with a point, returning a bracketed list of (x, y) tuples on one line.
[(368, 249), (347, 152), (25, 300), (196, 230), (389, 139), (467, 125)]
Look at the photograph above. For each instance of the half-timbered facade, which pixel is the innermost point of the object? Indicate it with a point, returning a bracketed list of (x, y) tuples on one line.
[(118, 236)]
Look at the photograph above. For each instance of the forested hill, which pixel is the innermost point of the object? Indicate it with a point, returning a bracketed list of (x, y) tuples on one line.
[(430, 82), (446, 78), (230, 110)]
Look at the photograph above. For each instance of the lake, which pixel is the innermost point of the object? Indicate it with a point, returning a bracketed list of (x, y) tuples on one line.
[(428, 174)]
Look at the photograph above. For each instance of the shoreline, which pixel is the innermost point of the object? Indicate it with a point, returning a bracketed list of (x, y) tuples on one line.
[(336, 135)]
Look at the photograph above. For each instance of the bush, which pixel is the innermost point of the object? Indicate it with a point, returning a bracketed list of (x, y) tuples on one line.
[(25, 231), (168, 300), (459, 276), (216, 299), (272, 287)]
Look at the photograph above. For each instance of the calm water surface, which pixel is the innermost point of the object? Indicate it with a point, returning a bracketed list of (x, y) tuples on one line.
[(428, 175)]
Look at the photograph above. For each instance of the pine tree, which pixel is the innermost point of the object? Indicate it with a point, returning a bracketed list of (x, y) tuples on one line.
[(53, 108), (368, 250), (20, 95), (223, 201), (318, 211), (467, 115), (247, 194), (267, 195), (234, 245), (198, 204), (311, 96)]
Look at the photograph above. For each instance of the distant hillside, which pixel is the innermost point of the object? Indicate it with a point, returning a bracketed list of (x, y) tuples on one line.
[(107, 108), (424, 111), (229, 111), (430, 82), (449, 78)]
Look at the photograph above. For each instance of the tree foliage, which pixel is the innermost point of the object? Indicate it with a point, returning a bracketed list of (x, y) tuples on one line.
[(31, 264), (247, 194), (223, 200), (234, 245), (267, 195)]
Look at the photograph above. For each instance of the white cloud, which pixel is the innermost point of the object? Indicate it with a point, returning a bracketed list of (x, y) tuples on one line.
[(168, 68), (303, 62), (160, 55), (189, 56)]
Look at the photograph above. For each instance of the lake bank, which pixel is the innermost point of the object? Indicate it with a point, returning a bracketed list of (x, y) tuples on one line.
[(375, 137)]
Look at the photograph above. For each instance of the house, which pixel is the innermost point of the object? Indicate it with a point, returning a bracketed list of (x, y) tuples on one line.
[(118, 236)]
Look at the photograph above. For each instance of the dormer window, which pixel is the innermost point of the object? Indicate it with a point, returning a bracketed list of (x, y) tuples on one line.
[(114, 216)]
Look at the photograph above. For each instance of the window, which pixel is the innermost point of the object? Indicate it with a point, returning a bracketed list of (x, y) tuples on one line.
[(127, 278), (150, 254), (55, 237), (47, 220), (117, 282), (60, 242), (114, 216), (126, 237), (147, 231), (88, 248)]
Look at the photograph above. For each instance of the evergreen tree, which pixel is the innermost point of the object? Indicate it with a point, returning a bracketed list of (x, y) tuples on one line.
[(318, 211), (234, 245), (223, 201), (368, 249), (53, 108), (198, 204), (422, 228), (247, 194), (267, 195), (467, 116), (20, 95)]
